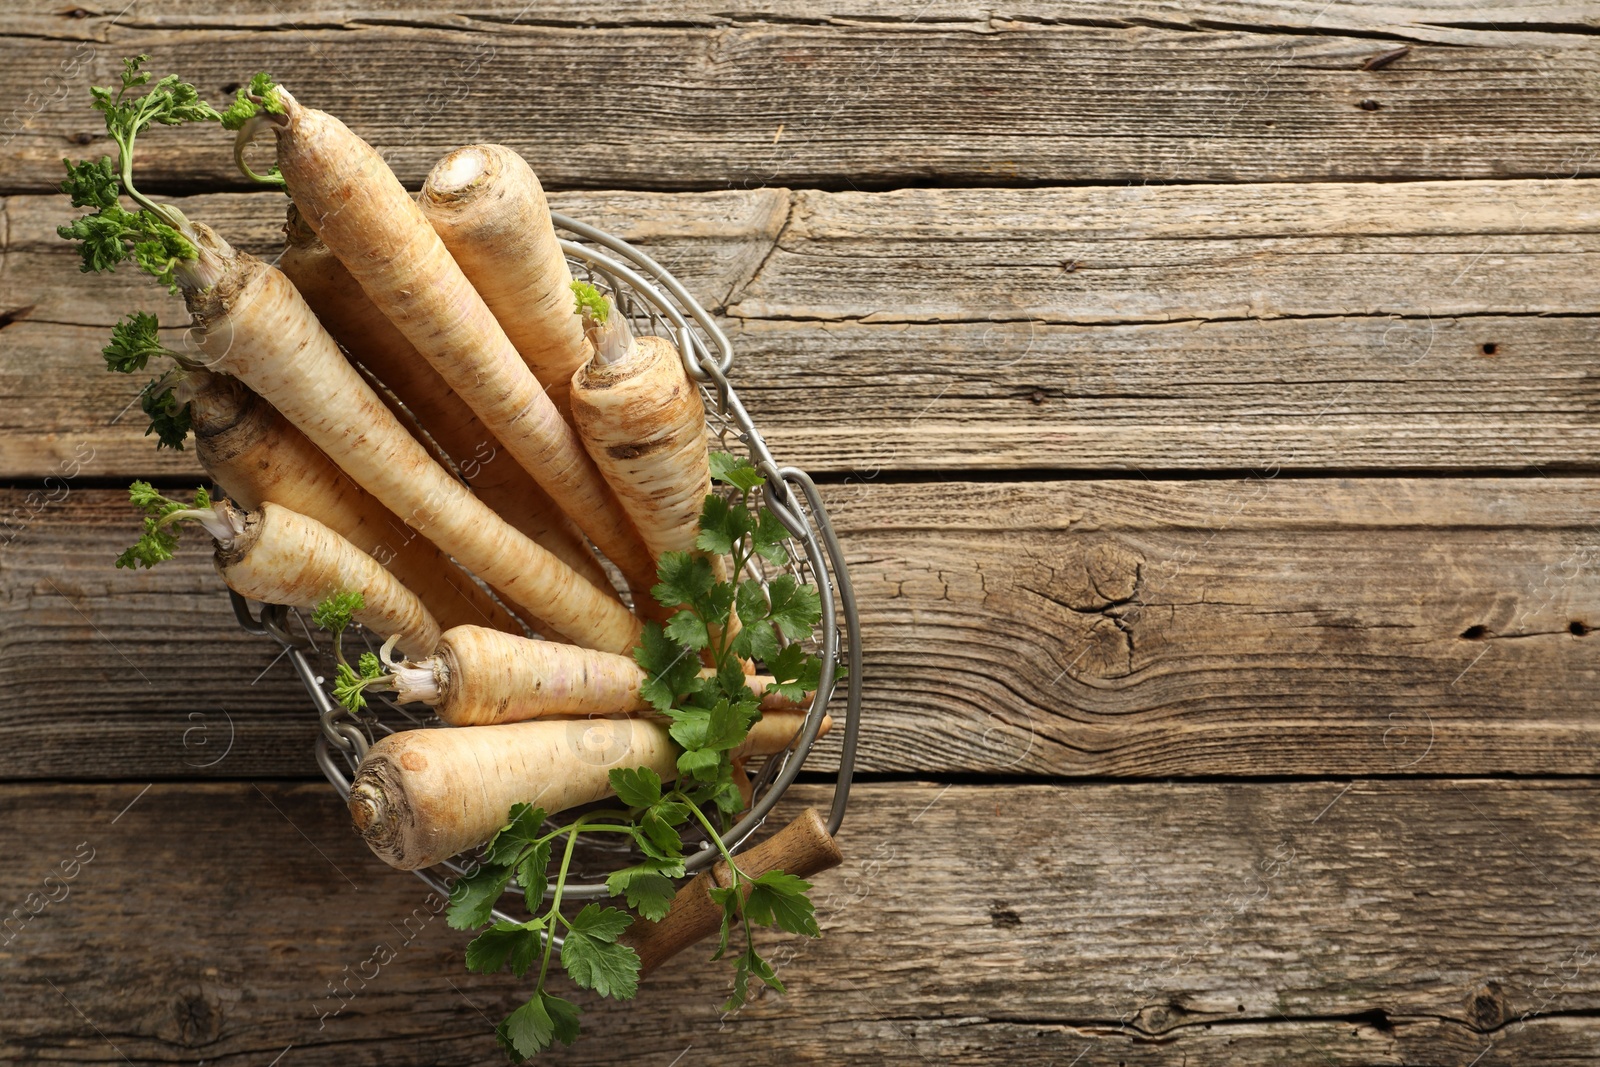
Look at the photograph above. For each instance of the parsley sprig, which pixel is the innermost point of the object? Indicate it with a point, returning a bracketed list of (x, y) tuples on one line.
[(725, 621), (134, 342), (156, 237), (161, 517), (334, 615)]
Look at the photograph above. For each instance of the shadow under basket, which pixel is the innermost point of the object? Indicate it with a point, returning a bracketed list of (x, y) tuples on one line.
[(655, 304)]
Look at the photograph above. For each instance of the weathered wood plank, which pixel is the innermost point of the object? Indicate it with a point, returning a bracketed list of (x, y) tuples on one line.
[(1438, 20), (1424, 326), (861, 102), (1262, 626), (1157, 254), (1359, 923)]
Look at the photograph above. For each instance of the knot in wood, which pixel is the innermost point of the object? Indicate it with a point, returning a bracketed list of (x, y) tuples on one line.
[(1486, 1007)]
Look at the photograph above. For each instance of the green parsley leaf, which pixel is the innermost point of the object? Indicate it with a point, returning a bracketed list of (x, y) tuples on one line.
[(637, 787), (776, 897), (92, 183), (335, 612), (687, 628), (348, 689), (593, 959), (750, 963), (671, 669), (155, 546), (522, 829), (145, 496), (684, 579), (722, 526), (368, 665), (795, 672), (516, 943), (536, 1025), (251, 100), (533, 874), (796, 607), (473, 897), (727, 898), (590, 303), (768, 537), (647, 886), (732, 470), (169, 421)]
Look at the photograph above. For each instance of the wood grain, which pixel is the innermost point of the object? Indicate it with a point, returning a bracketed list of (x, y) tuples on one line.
[(1146, 93), (1417, 326), (1256, 626), (1349, 923)]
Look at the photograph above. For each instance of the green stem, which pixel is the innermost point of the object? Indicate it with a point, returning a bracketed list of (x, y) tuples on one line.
[(554, 913)]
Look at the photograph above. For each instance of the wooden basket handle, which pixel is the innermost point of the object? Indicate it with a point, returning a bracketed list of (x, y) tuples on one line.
[(802, 848)]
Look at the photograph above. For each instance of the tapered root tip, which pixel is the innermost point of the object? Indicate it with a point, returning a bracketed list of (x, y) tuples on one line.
[(455, 176)]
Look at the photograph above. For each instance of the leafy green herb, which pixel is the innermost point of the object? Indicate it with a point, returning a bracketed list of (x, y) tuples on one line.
[(591, 303), (350, 683), (160, 538), (157, 236), (709, 718), (260, 96)]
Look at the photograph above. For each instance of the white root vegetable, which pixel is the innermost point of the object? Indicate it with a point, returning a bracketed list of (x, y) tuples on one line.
[(480, 677), (348, 195), (489, 209), (253, 453), (422, 796), (252, 323), (278, 556)]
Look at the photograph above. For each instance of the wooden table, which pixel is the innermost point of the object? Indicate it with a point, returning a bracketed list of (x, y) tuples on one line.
[(1206, 395)]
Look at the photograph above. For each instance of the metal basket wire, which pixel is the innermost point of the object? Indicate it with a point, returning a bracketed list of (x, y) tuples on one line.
[(655, 304)]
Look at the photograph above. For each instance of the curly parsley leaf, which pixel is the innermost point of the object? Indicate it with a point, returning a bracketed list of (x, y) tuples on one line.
[(335, 612), (261, 95), (134, 341), (169, 420), (590, 303)]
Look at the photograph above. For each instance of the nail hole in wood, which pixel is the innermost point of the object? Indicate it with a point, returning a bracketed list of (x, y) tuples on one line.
[(1576, 628), (230, 88), (1369, 105), (1490, 348), (1475, 633)]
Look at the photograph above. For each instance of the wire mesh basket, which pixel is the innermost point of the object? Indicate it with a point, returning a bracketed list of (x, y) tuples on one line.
[(655, 303)]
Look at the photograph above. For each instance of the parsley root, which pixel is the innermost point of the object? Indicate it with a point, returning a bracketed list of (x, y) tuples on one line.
[(348, 195), (489, 209), (479, 677), (251, 323), (253, 453), (643, 422), (374, 342), (421, 796), (277, 556)]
